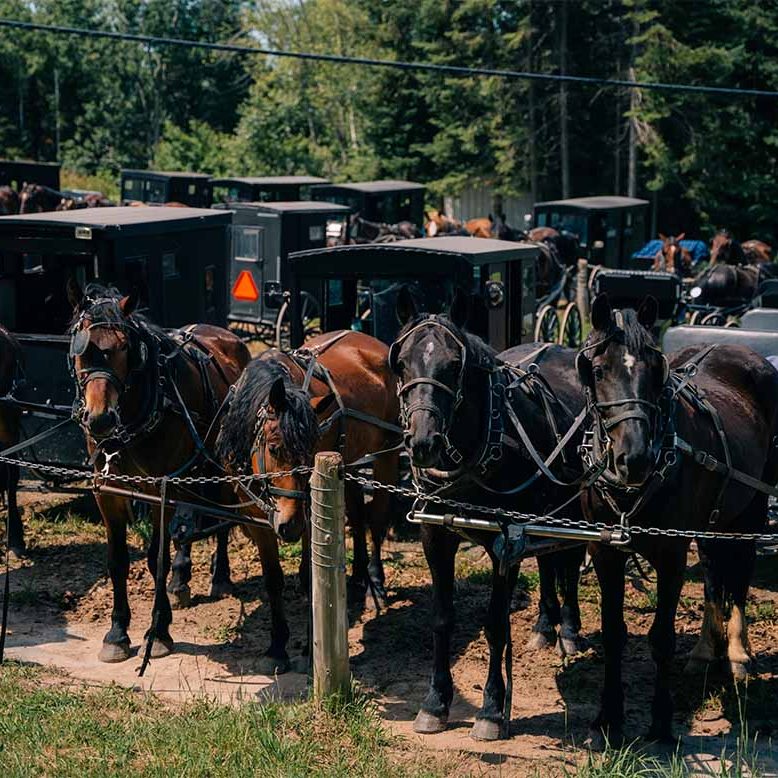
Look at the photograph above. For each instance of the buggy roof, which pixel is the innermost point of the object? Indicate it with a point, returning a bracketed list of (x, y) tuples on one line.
[(598, 203), (28, 162), (294, 206), (419, 256), (378, 187), (165, 173), (270, 180), (115, 221)]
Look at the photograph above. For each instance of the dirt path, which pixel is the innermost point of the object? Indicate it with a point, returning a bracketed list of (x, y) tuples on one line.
[(60, 608)]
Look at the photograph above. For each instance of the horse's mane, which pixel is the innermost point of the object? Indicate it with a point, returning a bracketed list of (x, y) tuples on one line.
[(477, 350), (637, 339), (107, 310), (298, 423)]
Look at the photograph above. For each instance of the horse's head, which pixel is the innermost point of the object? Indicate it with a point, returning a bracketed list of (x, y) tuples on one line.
[(287, 435), (672, 257), (105, 349), (9, 201), (725, 250), (624, 374), (429, 358), (30, 199)]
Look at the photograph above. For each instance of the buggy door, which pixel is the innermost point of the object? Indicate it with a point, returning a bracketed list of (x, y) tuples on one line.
[(246, 272)]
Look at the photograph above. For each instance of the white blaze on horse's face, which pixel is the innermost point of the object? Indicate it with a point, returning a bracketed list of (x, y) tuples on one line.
[(429, 349), (629, 361)]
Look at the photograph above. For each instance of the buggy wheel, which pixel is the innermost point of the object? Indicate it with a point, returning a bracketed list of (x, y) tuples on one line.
[(733, 324), (592, 275), (714, 319), (571, 328), (696, 317), (310, 314), (547, 325)]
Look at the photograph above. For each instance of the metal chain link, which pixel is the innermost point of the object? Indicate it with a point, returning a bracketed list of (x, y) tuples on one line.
[(558, 521), (151, 480)]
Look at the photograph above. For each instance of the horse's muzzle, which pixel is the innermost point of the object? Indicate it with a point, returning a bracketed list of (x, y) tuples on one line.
[(425, 451), (100, 425)]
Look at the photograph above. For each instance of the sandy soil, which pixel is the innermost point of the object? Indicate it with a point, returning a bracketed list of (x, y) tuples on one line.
[(60, 607)]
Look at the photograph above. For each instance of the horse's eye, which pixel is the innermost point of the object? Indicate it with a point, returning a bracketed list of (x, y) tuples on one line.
[(598, 373), (274, 450)]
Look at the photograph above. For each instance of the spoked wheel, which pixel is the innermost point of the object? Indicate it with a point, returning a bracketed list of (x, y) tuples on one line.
[(714, 319), (697, 317), (310, 314), (547, 325), (733, 324), (571, 327)]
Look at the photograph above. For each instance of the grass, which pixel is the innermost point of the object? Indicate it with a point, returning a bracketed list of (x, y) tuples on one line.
[(50, 729)]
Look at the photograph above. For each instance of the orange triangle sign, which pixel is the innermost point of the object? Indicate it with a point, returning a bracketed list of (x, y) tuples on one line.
[(244, 287)]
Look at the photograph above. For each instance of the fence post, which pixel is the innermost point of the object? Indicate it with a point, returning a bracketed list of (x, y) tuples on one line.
[(582, 289), (328, 578)]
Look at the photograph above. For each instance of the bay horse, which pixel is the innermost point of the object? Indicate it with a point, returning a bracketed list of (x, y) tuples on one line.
[(462, 405), (440, 224), (363, 231), (676, 446), (278, 419), (726, 285), (36, 198), (148, 400), (9, 201), (11, 361), (672, 257), (726, 249)]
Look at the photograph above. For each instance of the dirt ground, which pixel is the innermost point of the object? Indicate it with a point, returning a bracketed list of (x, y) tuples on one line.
[(60, 608)]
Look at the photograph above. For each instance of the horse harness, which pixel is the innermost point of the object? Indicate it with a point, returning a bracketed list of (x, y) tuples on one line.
[(306, 360), (596, 450)]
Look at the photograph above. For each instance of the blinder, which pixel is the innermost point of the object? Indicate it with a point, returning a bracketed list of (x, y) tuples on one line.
[(394, 355), (79, 342)]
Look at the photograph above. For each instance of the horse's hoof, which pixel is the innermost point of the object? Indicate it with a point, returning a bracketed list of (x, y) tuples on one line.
[(660, 734), (596, 740), (429, 723), (161, 647), (375, 598), (540, 641), (114, 652), (485, 729), (570, 646), (740, 671), (181, 599), (17, 552), (272, 665), (221, 589)]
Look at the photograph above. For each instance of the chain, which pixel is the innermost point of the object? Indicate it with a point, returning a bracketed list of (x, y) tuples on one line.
[(150, 480), (558, 521)]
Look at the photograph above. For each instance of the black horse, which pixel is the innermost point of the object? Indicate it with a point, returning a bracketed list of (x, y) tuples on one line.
[(652, 428), (461, 404)]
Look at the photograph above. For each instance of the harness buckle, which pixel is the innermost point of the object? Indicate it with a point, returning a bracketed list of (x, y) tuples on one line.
[(454, 454)]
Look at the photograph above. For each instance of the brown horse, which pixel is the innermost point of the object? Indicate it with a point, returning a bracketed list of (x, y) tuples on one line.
[(10, 372), (9, 201), (148, 401), (652, 429), (726, 249), (36, 198), (440, 224), (729, 286), (672, 257), (363, 231), (274, 423)]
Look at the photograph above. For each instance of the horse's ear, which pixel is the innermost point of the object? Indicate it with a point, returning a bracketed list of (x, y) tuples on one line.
[(277, 397), (320, 404), (129, 303), (405, 307), (681, 236), (74, 292), (602, 313), (491, 218), (648, 311), (662, 236), (460, 308)]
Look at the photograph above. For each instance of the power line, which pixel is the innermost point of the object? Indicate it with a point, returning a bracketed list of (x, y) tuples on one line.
[(339, 59)]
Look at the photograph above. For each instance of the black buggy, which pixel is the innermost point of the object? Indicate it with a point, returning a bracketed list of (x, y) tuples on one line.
[(264, 189), (358, 285), (262, 237), (157, 188), (17, 172), (175, 257)]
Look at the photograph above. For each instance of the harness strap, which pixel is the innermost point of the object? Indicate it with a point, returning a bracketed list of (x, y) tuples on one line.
[(29, 442)]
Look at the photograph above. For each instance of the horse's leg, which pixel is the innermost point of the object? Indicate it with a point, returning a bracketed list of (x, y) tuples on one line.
[(670, 564), (275, 660), (116, 513), (16, 544), (221, 583), (609, 565), (385, 470), (489, 720), (740, 568), (544, 631), (163, 642), (355, 511), (178, 588), (710, 644), (440, 548), (569, 573)]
